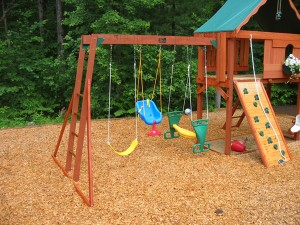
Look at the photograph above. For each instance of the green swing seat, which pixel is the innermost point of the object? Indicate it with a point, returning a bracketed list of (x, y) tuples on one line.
[(200, 128)]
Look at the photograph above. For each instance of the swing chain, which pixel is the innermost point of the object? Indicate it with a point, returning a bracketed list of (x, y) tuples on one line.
[(278, 12), (109, 95)]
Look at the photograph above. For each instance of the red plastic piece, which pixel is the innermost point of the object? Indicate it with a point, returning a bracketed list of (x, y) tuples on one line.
[(237, 146), (154, 131)]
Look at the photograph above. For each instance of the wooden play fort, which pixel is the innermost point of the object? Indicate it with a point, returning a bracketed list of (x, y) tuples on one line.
[(227, 55), (229, 59)]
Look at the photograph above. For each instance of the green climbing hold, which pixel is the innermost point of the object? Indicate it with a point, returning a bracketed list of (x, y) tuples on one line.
[(275, 146), (270, 141), (282, 152), (255, 104), (280, 161), (245, 91), (268, 125), (261, 133), (256, 97), (256, 120), (267, 110)]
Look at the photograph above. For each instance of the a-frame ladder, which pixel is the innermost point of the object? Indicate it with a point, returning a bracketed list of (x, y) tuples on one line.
[(239, 117), (73, 159)]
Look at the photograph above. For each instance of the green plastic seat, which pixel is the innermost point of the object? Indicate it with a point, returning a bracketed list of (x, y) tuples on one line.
[(200, 127), (174, 118)]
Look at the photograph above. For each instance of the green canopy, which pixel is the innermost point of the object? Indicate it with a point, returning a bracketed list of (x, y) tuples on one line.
[(230, 16)]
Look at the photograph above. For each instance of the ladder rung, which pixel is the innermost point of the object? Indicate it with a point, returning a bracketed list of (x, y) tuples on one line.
[(73, 154), (81, 95), (75, 134), (237, 116), (77, 114)]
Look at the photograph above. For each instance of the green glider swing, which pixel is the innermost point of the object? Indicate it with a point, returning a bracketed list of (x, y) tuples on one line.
[(199, 125)]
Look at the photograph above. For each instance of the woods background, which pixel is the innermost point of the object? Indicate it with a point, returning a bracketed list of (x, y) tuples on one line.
[(40, 43)]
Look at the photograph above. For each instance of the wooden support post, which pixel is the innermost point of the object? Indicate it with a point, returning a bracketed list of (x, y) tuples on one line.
[(230, 71), (89, 144), (221, 57)]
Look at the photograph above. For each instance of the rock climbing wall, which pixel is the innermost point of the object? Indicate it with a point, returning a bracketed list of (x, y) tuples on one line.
[(262, 120)]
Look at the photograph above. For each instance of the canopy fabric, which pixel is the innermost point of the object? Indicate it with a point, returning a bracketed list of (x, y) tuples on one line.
[(236, 13), (230, 16)]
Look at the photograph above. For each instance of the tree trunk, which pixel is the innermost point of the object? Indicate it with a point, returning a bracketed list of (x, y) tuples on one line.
[(5, 12), (59, 28), (4, 19), (41, 16), (217, 100), (173, 22)]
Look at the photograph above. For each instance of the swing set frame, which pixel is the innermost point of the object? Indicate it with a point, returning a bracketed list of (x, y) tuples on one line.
[(90, 43)]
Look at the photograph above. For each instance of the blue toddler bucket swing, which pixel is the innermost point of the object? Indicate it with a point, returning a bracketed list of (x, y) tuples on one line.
[(147, 109)]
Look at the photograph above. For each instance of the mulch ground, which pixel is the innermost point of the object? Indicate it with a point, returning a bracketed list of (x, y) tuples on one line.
[(161, 182)]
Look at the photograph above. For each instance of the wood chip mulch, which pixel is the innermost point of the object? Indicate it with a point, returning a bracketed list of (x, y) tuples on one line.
[(161, 182)]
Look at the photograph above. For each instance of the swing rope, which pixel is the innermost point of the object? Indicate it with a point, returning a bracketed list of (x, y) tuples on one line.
[(135, 88), (140, 76), (262, 106), (134, 143), (199, 125), (141, 105), (109, 96), (278, 10), (188, 81), (206, 81), (171, 78), (158, 73)]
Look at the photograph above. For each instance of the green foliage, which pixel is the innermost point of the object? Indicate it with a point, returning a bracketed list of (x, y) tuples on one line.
[(36, 83), (280, 95)]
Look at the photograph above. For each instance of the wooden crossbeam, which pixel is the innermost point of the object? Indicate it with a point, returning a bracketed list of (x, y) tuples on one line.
[(123, 39)]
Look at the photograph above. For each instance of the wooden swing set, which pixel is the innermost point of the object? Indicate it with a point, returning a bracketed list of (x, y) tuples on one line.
[(228, 50), (90, 42)]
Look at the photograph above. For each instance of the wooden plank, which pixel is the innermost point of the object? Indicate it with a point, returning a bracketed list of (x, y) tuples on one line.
[(273, 70), (284, 43), (229, 101), (273, 60), (221, 57), (259, 35)]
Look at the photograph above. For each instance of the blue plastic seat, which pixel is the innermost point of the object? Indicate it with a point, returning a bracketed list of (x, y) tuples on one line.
[(148, 111)]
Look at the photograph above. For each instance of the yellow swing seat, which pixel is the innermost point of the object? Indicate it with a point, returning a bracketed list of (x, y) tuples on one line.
[(184, 132), (129, 150)]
